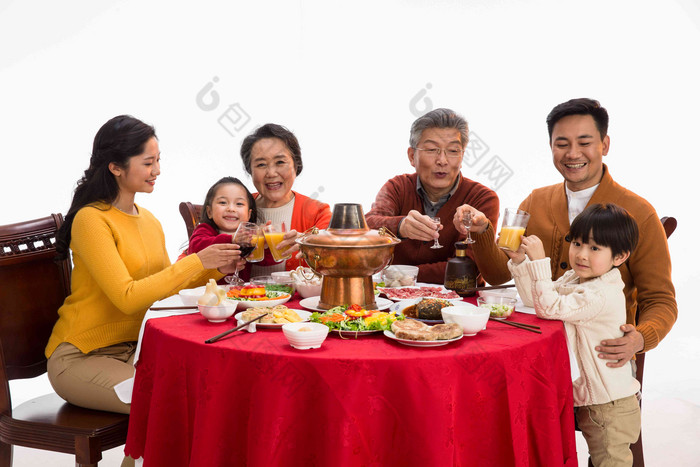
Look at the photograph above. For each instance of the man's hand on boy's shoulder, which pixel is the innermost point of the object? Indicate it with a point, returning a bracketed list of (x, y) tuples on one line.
[(622, 349)]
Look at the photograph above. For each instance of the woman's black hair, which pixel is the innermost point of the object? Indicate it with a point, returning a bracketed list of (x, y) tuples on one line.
[(607, 225), (116, 142), (209, 199)]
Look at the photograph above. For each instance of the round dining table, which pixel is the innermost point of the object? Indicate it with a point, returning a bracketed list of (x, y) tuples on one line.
[(500, 398)]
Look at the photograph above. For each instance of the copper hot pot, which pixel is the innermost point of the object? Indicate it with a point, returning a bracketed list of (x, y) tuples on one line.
[(347, 254)]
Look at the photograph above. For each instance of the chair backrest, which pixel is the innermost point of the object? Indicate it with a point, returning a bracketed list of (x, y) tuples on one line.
[(32, 288), (191, 213), (670, 224)]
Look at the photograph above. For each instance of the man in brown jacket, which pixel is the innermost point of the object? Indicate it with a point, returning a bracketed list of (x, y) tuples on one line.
[(406, 203), (579, 140)]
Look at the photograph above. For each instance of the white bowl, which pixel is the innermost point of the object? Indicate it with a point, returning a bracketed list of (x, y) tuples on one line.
[(471, 317), (190, 296), (261, 280), (510, 293), (281, 274), (500, 307), (218, 313), (307, 290), (286, 281), (311, 339), (399, 275)]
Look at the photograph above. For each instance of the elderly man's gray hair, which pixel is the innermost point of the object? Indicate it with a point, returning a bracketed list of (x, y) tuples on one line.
[(440, 118)]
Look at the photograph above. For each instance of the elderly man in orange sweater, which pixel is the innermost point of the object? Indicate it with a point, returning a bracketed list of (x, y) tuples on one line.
[(406, 203), (579, 140)]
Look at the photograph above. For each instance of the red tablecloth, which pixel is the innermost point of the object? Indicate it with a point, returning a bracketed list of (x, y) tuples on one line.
[(502, 397)]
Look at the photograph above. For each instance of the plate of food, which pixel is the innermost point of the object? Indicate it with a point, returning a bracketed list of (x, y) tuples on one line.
[(417, 334), (277, 317), (311, 303), (413, 292), (426, 310), (253, 295), (355, 321)]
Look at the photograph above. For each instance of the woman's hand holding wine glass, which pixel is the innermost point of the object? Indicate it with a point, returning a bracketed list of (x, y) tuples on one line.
[(219, 255)]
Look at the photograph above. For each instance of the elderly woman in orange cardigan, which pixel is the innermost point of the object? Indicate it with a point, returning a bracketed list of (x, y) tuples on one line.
[(272, 157)]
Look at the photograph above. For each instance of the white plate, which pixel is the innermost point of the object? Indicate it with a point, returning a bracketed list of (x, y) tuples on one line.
[(243, 304), (350, 334), (391, 335), (454, 300), (398, 307), (303, 314), (311, 303), (521, 308), (401, 305)]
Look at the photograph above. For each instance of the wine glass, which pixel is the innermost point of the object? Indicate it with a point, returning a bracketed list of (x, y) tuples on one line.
[(245, 237), (467, 221), (436, 220)]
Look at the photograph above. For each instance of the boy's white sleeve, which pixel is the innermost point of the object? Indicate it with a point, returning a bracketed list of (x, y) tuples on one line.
[(580, 304), (523, 283)]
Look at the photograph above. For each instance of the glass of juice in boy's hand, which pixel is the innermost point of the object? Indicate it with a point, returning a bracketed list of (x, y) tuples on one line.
[(274, 234), (513, 227)]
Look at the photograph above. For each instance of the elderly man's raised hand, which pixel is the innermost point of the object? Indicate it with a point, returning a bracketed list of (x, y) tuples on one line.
[(479, 220), (418, 226)]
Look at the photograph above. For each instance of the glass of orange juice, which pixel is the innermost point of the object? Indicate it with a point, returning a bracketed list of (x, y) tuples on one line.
[(274, 234), (513, 227), (259, 252)]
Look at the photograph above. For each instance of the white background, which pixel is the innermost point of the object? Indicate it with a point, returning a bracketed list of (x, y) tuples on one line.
[(349, 78)]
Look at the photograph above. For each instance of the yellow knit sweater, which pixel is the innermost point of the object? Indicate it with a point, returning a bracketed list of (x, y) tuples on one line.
[(120, 267)]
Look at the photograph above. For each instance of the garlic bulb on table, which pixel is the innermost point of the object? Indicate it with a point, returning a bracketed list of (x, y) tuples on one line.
[(213, 295), (301, 275)]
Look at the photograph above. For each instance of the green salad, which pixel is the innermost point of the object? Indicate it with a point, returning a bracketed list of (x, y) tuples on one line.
[(279, 288), (355, 318)]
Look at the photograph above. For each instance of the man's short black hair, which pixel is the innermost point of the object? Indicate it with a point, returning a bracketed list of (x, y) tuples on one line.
[(581, 106)]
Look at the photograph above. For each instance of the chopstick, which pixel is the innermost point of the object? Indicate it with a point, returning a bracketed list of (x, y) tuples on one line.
[(527, 327), (515, 322), (489, 287), (226, 333), (161, 308)]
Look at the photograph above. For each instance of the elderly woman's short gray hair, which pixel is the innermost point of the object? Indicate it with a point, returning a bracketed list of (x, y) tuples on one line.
[(440, 118)]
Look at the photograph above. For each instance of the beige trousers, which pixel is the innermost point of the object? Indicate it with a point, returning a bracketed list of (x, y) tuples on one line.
[(609, 430), (88, 380)]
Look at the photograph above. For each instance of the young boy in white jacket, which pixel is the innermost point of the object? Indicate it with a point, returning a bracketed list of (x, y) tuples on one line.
[(589, 300)]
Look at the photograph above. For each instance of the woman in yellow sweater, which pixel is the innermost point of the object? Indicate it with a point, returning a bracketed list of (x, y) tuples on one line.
[(120, 267)]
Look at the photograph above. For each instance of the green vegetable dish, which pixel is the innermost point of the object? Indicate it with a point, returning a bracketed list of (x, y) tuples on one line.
[(499, 311), (355, 318), (279, 288)]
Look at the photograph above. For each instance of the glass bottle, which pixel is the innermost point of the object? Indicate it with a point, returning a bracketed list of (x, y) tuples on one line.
[(461, 271)]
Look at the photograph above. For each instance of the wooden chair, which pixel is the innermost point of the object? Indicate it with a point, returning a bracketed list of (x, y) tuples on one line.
[(33, 288), (669, 224), (191, 213)]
